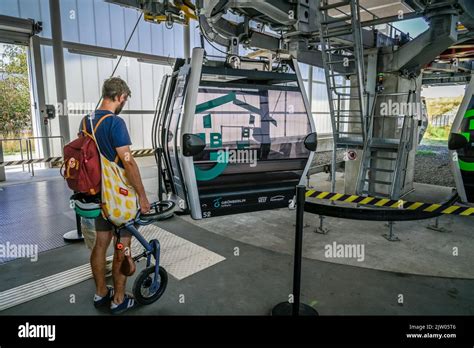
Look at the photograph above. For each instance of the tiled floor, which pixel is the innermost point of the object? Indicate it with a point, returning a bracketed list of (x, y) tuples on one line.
[(37, 212)]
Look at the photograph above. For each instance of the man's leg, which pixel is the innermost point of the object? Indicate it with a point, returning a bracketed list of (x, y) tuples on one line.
[(98, 255), (119, 279), (103, 231), (89, 234)]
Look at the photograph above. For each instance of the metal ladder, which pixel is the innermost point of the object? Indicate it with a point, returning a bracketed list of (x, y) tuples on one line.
[(385, 160), (343, 57)]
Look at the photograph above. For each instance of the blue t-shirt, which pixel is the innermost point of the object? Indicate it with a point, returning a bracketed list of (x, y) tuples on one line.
[(111, 133)]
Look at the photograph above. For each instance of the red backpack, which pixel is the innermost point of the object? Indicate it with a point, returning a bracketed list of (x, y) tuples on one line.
[(81, 167)]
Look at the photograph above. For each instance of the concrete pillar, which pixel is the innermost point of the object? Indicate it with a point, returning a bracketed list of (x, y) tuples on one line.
[(387, 128), (187, 41)]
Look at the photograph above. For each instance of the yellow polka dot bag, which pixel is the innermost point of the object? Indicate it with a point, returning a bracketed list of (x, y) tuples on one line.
[(119, 198)]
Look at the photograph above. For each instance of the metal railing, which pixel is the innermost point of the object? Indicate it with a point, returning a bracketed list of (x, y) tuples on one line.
[(442, 120), (29, 148), (393, 31), (29, 139), (20, 141)]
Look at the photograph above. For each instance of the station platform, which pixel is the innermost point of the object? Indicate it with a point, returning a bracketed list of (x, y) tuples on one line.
[(236, 265)]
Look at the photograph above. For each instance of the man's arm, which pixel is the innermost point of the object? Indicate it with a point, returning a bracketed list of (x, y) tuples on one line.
[(133, 175)]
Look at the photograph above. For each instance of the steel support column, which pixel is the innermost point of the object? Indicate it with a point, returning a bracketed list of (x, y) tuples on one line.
[(59, 71), (187, 41)]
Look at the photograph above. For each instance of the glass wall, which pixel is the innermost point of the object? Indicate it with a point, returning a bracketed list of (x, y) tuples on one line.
[(97, 23), (34, 9), (85, 76)]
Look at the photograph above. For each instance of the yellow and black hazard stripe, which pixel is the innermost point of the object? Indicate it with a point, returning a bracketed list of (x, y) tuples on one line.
[(135, 153), (143, 153), (390, 203), (32, 161)]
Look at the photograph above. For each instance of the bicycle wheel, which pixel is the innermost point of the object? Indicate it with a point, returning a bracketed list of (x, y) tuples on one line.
[(142, 285)]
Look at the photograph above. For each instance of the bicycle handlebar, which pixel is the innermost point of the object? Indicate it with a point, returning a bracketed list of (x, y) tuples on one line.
[(158, 211)]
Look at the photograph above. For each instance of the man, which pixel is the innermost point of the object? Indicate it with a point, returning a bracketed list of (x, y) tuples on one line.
[(113, 140)]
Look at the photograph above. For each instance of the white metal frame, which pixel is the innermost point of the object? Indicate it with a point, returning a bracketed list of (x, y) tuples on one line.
[(456, 128), (187, 121)]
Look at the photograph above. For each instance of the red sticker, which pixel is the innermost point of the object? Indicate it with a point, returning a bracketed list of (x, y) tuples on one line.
[(123, 192), (352, 155)]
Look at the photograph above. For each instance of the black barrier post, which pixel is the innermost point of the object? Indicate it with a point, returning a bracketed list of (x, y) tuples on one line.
[(159, 155), (300, 198), (161, 179), (75, 235), (296, 308)]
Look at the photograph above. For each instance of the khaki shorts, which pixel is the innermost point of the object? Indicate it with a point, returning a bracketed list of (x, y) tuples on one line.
[(102, 225), (99, 225)]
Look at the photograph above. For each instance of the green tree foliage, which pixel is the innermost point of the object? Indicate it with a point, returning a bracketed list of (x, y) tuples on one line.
[(15, 107), (437, 133), (441, 106)]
